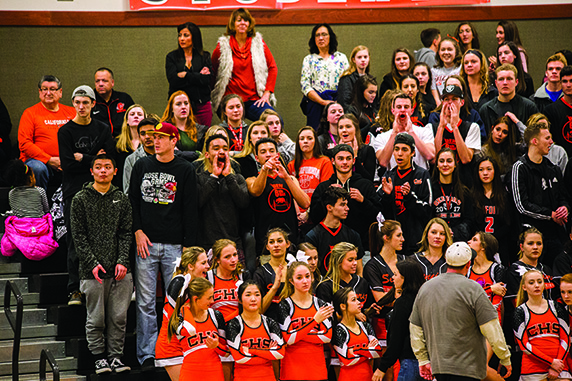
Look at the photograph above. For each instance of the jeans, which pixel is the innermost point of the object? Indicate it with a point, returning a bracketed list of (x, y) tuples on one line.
[(161, 258), (107, 304), (409, 370), (253, 112), (41, 171)]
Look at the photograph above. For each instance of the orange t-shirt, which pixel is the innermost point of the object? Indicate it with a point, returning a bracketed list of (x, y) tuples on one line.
[(312, 172), (38, 131)]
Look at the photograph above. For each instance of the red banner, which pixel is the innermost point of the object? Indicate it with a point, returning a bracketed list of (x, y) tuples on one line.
[(205, 5)]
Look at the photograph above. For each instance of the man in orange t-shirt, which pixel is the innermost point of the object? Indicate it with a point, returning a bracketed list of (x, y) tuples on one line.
[(38, 130)]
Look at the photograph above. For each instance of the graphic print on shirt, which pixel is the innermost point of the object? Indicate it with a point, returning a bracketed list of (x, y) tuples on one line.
[(158, 188), (567, 130), (279, 198), (85, 143)]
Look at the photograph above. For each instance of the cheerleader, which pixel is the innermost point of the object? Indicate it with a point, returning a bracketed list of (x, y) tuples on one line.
[(380, 269), (200, 330), (270, 277), (431, 256), (306, 326), (226, 275), (490, 275), (311, 252), (169, 353), (354, 340), (541, 330), (254, 340), (342, 274)]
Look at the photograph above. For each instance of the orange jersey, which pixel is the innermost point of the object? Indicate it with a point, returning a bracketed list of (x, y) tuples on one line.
[(251, 348), (225, 294), (305, 339), (312, 172), (354, 352), (169, 352), (493, 275), (542, 337), (201, 361)]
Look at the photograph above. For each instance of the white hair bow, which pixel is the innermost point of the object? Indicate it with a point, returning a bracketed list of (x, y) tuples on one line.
[(185, 285), (177, 263), (300, 257)]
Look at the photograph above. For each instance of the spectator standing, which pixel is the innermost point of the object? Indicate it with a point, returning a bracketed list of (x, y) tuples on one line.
[(110, 105), (101, 228)]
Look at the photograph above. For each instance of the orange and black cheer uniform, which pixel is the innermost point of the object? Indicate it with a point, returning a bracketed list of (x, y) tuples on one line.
[(494, 274), (431, 270), (167, 352), (305, 341), (543, 338), (201, 362), (251, 350), (225, 298), (380, 278), (354, 352)]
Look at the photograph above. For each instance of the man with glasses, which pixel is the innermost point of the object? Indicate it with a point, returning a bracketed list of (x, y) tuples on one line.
[(146, 129), (38, 130)]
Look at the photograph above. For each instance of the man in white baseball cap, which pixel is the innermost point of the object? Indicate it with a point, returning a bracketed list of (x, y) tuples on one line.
[(451, 321)]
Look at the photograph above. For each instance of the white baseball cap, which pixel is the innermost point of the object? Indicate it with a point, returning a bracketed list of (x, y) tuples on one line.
[(459, 253)]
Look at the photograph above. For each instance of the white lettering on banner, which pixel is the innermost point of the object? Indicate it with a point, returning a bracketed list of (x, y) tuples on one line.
[(154, 2), (247, 1)]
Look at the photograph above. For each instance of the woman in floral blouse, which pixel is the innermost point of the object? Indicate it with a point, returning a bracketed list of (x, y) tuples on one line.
[(321, 72)]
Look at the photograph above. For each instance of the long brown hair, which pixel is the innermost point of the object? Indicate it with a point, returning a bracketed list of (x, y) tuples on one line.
[(217, 248), (288, 289), (299, 155)]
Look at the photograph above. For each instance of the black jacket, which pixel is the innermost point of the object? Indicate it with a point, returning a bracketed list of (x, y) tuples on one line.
[(417, 207), (195, 84), (346, 89), (537, 191), (113, 112), (360, 215)]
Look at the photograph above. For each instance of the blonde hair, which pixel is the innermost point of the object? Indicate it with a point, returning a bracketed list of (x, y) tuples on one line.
[(214, 130), (424, 243), (190, 123), (524, 234), (522, 296), (197, 287), (124, 140), (288, 289), (337, 256), (217, 248), (190, 256), (248, 146), (384, 117), (353, 66)]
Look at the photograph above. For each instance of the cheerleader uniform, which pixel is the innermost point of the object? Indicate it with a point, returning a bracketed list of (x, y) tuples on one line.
[(431, 270), (201, 362), (543, 338), (305, 339), (250, 348), (325, 290), (494, 274), (355, 366), (168, 353), (225, 298), (380, 277)]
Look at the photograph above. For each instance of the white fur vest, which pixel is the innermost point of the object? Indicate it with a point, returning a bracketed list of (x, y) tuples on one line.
[(226, 65)]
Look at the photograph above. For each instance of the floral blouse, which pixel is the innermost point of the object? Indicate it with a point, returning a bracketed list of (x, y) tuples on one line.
[(321, 74)]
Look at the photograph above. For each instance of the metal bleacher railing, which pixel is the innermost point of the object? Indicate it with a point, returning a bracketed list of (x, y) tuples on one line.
[(15, 322)]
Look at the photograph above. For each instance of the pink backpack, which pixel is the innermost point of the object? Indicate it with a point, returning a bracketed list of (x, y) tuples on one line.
[(34, 237)]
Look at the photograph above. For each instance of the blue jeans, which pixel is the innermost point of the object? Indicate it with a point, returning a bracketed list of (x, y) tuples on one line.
[(253, 112), (41, 172), (409, 370), (161, 258)]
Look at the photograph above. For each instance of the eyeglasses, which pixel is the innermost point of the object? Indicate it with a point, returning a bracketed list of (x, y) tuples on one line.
[(318, 35), (51, 89)]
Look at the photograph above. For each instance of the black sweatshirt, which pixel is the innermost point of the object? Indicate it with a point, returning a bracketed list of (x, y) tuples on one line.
[(164, 200), (86, 139)]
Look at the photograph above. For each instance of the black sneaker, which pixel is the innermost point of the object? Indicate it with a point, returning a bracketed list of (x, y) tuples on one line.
[(117, 366), (102, 366), (75, 299), (148, 365)]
